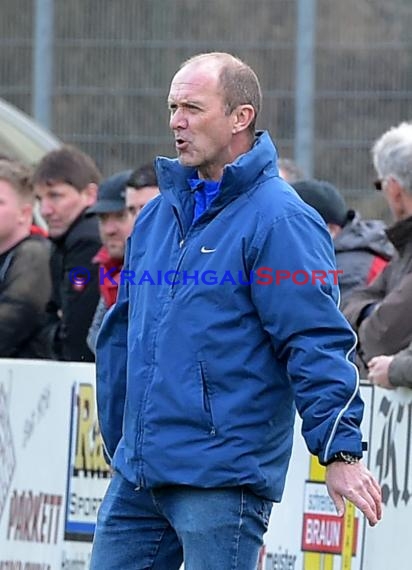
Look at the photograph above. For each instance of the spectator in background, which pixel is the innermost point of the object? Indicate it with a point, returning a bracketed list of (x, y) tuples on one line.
[(25, 282), (381, 313), (141, 187), (38, 226), (289, 170), (120, 200), (361, 246), (65, 182), (115, 225)]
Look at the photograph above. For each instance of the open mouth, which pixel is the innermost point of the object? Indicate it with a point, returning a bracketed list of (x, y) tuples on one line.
[(181, 144)]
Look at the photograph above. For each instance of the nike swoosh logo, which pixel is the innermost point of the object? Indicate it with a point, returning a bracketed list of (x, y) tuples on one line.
[(204, 249)]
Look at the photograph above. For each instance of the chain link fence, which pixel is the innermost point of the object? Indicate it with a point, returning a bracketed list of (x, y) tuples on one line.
[(113, 62)]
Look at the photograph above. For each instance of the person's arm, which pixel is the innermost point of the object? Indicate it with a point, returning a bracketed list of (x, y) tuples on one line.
[(79, 301), (392, 372), (388, 328), (24, 294), (315, 342), (361, 302), (99, 314), (378, 371), (400, 369), (111, 368)]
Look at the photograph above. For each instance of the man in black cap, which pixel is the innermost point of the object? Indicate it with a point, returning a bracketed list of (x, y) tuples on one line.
[(361, 246), (115, 225)]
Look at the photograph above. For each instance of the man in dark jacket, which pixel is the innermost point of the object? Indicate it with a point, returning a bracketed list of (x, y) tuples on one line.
[(25, 283), (380, 313), (362, 248), (199, 366), (65, 182)]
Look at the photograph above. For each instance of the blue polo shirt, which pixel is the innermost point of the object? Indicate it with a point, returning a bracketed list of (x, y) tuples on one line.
[(204, 192)]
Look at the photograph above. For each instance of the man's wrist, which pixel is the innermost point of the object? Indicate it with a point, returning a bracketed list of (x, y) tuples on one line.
[(347, 457)]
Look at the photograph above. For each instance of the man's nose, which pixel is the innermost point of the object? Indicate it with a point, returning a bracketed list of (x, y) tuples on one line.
[(110, 227), (46, 208), (178, 120)]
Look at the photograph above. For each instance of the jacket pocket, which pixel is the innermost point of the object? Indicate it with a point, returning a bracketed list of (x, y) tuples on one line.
[(206, 396)]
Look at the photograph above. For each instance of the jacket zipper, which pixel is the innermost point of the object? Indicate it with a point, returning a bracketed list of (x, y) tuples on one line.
[(206, 398)]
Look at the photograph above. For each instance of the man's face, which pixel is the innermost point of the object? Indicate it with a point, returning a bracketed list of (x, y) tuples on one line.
[(137, 198), (13, 213), (203, 131), (393, 196), (115, 228), (61, 204)]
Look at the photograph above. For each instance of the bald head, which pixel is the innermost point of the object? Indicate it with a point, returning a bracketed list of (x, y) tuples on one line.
[(238, 82)]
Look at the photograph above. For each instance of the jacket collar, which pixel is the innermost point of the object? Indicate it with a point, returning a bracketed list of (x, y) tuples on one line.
[(400, 234), (60, 240), (238, 177)]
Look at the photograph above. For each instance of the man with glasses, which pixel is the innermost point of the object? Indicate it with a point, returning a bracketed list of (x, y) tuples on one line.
[(380, 313)]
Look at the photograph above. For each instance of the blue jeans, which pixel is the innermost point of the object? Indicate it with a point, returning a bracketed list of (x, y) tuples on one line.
[(211, 529)]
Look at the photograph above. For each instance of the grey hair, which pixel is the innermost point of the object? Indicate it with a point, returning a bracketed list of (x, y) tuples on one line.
[(238, 81), (392, 155)]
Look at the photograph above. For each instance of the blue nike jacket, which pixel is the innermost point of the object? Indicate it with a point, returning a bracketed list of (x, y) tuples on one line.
[(210, 345)]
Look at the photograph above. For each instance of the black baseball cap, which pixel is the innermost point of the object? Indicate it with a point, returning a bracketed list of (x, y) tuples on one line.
[(325, 198), (111, 195)]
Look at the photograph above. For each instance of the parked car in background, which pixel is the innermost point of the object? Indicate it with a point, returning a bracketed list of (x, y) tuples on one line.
[(22, 138)]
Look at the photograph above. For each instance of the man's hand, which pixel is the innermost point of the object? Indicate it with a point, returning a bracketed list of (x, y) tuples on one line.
[(379, 371), (357, 484)]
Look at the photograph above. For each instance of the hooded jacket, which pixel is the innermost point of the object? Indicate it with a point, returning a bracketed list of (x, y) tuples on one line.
[(204, 368), (362, 251)]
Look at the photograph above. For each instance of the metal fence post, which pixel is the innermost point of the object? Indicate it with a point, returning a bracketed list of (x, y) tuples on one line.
[(43, 56), (305, 85)]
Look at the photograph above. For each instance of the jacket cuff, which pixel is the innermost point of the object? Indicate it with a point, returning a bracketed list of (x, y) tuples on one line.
[(356, 450)]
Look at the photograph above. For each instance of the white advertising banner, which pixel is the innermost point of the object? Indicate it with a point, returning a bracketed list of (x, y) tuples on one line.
[(53, 477), (389, 544), (52, 471)]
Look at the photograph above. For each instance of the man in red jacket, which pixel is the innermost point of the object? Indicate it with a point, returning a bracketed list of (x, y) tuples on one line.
[(115, 225)]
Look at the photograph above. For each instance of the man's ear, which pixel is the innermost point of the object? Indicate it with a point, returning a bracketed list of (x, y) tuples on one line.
[(90, 194), (334, 230), (26, 216), (243, 115), (396, 193)]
